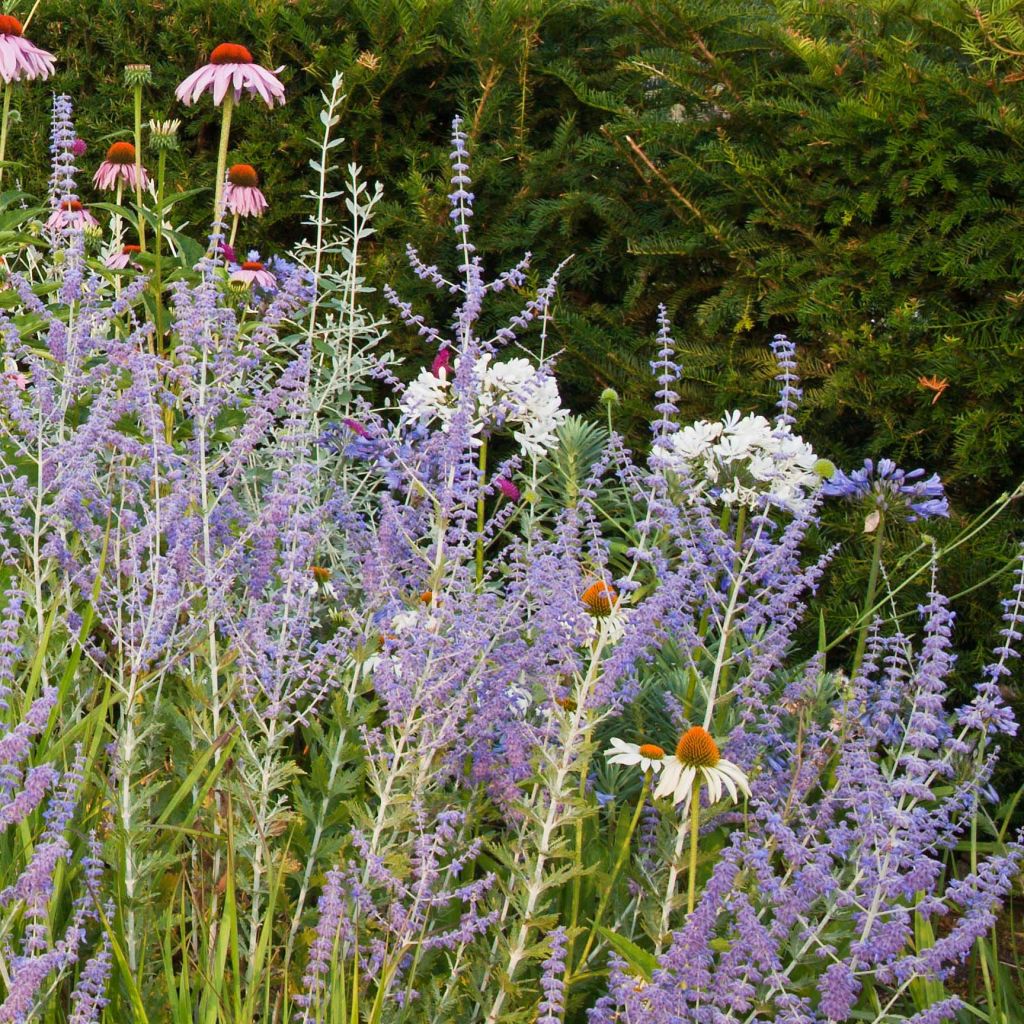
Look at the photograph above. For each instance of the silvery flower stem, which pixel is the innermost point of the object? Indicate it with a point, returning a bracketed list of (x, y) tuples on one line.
[(670, 888), (741, 529), (480, 517)]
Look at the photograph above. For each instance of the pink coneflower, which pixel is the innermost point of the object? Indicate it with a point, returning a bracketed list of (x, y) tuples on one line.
[(20, 58), (119, 167), (253, 272), (122, 259), (242, 196), (231, 67), (71, 214)]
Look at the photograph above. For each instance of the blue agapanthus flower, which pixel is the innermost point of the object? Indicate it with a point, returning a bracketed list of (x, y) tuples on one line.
[(891, 487)]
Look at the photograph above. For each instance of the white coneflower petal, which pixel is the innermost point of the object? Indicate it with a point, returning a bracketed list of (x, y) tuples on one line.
[(648, 756), (697, 759)]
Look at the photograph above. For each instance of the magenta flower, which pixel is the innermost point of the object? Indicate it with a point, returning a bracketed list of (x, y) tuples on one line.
[(119, 167), (20, 58), (242, 196), (442, 361), (71, 214), (231, 67), (507, 488), (121, 260), (78, 147), (253, 272)]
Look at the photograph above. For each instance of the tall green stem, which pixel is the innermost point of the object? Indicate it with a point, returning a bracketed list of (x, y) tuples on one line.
[(138, 165), (3, 127), (691, 883), (480, 517), (158, 287), (222, 154), (610, 885), (869, 597)]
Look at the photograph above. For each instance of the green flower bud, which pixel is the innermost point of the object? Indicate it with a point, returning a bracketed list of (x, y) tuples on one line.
[(137, 74), (163, 135), (825, 469), (609, 396)]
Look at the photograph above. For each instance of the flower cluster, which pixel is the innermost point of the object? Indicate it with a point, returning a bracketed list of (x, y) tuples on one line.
[(743, 460), (886, 487), (511, 392)]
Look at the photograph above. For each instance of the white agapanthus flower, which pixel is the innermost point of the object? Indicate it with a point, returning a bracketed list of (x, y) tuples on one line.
[(741, 460), (513, 393)]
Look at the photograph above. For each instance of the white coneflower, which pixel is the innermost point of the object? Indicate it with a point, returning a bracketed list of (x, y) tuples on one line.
[(697, 760), (649, 756)]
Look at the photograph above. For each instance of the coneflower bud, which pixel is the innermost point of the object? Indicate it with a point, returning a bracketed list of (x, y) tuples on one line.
[(164, 135), (137, 74)]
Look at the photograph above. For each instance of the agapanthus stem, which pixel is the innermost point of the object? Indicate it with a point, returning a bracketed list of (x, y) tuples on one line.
[(3, 127), (222, 154), (234, 231), (691, 882), (869, 597), (138, 165)]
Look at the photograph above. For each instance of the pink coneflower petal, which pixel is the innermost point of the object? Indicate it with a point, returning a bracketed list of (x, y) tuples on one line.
[(121, 260), (20, 58), (71, 214), (246, 202), (231, 67), (253, 272)]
